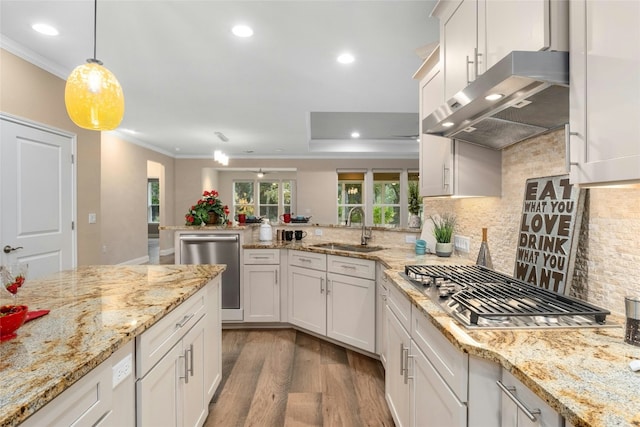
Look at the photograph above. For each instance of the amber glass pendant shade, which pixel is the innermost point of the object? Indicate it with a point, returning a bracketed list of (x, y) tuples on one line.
[(93, 97)]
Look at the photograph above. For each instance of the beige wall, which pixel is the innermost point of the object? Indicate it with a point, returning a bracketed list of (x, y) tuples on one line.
[(609, 253), (34, 94), (316, 181), (124, 199)]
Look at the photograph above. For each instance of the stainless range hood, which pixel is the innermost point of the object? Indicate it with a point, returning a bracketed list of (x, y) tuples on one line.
[(535, 99)]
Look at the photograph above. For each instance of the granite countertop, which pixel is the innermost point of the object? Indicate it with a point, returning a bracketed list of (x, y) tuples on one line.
[(582, 373), (95, 310)]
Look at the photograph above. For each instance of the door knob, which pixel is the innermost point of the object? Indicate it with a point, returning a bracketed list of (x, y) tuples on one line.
[(8, 249)]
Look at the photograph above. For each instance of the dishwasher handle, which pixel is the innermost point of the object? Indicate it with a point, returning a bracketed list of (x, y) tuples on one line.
[(209, 238)]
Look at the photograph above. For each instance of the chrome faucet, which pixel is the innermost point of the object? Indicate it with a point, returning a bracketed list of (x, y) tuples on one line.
[(366, 233)]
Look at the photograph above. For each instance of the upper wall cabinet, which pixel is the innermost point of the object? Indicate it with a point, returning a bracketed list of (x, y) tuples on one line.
[(476, 34), (449, 167), (604, 92)]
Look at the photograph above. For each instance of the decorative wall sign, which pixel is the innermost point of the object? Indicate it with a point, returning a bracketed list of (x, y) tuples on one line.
[(551, 211)]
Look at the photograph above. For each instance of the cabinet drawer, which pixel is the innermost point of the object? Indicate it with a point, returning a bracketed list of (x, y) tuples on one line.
[(356, 267), (85, 403), (451, 363), (262, 256), (158, 340), (308, 260), (400, 305)]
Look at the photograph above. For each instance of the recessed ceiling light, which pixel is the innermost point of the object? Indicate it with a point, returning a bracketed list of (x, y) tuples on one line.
[(177, 148), (493, 96), (45, 29), (346, 58), (448, 124), (355, 135), (242, 31)]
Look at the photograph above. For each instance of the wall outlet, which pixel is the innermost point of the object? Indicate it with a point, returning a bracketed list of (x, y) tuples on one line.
[(122, 369), (318, 232), (104, 249), (461, 243), (410, 238), (92, 218)]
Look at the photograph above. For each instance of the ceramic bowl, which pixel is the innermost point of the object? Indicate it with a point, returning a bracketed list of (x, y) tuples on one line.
[(11, 318)]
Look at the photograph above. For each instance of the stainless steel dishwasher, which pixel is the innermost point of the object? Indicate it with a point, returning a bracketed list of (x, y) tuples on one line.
[(216, 249)]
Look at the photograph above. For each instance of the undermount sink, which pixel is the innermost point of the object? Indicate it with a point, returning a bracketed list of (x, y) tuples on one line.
[(347, 247)]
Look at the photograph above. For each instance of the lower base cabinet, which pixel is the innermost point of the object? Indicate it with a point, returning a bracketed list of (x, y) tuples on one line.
[(433, 402), (179, 363), (522, 408), (397, 388)]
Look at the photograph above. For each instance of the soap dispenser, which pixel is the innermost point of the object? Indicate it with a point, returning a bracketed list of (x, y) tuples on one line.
[(266, 234)]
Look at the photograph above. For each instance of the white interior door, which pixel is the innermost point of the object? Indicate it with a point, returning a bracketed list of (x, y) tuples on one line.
[(37, 197)]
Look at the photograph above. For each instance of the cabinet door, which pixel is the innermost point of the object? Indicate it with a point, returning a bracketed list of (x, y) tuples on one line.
[(307, 299), (460, 44), (433, 402), (351, 310), (261, 293), (194, 407), (436, 166), (397, 387), (515, 25), (604, 88), (157, 393), (381, 315), (512, 416), (213, 340)]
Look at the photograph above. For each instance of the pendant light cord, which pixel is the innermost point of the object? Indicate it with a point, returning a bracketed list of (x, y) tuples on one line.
[(95, 26)]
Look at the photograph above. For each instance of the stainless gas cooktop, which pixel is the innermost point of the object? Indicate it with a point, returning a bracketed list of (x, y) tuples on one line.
[(482, 298)]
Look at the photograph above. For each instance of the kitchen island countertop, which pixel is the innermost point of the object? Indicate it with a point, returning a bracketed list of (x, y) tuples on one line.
[(94, 310)]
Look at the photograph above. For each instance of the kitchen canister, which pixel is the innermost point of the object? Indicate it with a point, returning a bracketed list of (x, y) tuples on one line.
[(421, 247), (632, 329), (266, 234)]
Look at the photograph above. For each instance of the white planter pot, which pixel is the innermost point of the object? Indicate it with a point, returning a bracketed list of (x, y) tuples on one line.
[(444, 249)]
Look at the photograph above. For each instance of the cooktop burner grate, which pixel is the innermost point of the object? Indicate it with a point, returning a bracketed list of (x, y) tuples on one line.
[(495, 297)]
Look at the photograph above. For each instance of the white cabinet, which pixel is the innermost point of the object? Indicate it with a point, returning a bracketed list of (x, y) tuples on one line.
[(177, 365), (339, 303), (476, 34), (93, 399), (433, 402), (382, 284), (604, 88), (261, 285), (351, 301), (396, 383), (450, 167), (522, 408), (457, 168)]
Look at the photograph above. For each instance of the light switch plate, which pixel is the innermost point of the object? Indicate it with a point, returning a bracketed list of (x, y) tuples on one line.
[(461, 243), (92, 218), (409, 238), (318, 232)]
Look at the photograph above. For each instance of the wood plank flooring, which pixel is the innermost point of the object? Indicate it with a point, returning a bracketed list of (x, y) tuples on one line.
[(283, 377)]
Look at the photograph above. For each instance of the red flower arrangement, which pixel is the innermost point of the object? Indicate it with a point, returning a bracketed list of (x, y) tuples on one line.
[(198, 214)]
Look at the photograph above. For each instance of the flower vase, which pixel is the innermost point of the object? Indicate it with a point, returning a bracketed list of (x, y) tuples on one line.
[(213, 219)]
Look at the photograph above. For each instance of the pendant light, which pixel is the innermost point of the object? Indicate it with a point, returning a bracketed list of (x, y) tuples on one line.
[(93, 95)]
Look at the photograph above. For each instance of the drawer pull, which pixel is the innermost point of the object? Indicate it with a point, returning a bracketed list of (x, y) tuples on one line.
[(509, 392), (260, 257), (184, 320), (186, 367), (322, 286), (406, 365), (304, 259), (349, 267)]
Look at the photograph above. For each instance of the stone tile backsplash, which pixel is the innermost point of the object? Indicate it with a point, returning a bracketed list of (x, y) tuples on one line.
[(607, 265)]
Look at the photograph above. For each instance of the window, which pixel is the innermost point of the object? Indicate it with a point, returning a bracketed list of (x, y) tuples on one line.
[(153, 200), (384, 196), (273, 198), (243, 198), (386, 199), (350, 195)]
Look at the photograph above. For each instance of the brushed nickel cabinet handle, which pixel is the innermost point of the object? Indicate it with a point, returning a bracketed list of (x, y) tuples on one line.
[(509, 392)]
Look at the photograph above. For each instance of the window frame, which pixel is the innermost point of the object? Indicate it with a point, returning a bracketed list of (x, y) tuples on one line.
[(150, 205)]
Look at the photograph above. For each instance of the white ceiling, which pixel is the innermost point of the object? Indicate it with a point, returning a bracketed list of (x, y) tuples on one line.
[(185, 76)]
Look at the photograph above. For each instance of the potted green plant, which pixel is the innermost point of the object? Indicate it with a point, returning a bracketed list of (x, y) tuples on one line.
[(443, 226), (414, 205)]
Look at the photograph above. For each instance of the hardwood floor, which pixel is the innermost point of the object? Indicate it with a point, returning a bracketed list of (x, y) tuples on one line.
[(283, 377)]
